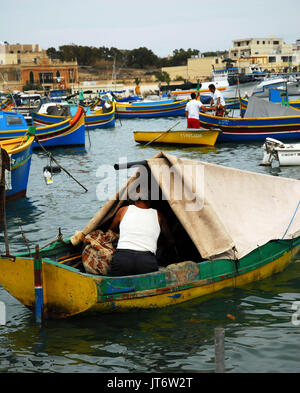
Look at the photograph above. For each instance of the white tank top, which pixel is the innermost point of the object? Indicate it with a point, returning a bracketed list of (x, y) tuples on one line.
[(139, 230)]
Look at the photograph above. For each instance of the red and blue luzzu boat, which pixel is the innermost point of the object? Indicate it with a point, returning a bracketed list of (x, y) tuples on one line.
[(20, 152), (70, 132), (92, 119), (262, 120), (150, 109)]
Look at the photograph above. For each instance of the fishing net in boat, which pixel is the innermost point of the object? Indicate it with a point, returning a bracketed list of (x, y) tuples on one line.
[(98, 251)]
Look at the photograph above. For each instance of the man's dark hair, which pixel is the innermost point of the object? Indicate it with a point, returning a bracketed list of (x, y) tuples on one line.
[(193, 96), (211, 86)]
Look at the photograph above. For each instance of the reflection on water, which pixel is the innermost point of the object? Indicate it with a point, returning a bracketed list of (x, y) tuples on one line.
[(259, 335)]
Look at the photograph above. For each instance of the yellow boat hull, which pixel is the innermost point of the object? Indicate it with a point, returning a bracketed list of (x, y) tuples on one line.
[(201, 137), (68, 292)]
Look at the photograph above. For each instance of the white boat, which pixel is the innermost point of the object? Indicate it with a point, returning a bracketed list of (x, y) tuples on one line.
[(292, 85), (55, 108), (284, 154)]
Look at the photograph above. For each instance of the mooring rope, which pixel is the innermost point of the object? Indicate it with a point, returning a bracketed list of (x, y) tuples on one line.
[(291, 220)]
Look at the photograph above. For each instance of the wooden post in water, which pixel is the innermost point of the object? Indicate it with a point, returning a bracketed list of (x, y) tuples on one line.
[(38, 286), (219, 350), (2, 313)]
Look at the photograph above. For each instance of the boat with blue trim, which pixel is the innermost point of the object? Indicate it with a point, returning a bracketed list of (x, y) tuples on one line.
[(262, 119), (213, 250), (20, 152), (6, 103), (101, 117), (69, 132), (149, 109)]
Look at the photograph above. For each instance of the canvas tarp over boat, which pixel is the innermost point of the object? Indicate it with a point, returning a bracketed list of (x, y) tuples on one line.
[(238, 210), (261, 108)]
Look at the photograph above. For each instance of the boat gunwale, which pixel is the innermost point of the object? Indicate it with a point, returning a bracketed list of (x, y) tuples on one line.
[(294, 242), (14, 141), (251, 118)]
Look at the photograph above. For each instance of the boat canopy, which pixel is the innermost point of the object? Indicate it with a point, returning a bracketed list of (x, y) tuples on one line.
[(12, 121), (226, 212), (262, 108)]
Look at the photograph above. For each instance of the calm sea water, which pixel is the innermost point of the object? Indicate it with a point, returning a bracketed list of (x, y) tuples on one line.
[(259, 333)]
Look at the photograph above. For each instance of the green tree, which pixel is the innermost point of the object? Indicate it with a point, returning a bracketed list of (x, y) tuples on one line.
[(141, 58), (163, 77)]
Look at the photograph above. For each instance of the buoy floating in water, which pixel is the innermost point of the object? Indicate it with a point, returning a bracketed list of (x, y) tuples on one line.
[(48, 177)]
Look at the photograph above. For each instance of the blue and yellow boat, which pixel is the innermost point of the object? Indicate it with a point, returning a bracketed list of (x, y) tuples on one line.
[(93, 118), (6, 103), (213, 250), (149, 109), (20, 152), (70, 132)]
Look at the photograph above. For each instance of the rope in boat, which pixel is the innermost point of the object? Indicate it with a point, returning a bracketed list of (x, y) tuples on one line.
[(291, 220)]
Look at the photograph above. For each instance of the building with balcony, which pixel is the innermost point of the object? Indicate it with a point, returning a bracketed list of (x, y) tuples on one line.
[(271, 54), (266, 54)]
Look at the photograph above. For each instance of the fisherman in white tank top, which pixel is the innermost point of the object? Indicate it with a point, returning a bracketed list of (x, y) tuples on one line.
[(139, 228), (217, 101)]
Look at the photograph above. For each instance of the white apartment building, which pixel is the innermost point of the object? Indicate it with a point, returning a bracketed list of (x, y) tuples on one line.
[(270, 52)]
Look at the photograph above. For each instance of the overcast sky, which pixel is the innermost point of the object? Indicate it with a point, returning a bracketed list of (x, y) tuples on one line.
[(160, 25)]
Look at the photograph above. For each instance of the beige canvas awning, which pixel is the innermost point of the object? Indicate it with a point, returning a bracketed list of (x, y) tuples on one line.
[(226, 212)]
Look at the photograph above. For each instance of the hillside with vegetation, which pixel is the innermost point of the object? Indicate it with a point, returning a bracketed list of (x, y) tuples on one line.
[(121, 64)]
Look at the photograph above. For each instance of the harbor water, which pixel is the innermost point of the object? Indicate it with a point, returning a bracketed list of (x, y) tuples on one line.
[(262, 333)]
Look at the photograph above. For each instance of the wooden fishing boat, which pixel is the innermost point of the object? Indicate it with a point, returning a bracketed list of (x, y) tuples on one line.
[(93, 119), (20, 152), (5, 104), (284, 154), (196, 137), (70, 132), (262, 119), (150, 109), (214, 251)]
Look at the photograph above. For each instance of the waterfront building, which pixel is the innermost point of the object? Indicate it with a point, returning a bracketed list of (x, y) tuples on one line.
[(28, 65), (272, 54), (197, 68), (269, 54)]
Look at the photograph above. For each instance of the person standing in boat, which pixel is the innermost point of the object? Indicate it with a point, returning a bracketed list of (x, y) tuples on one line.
[(192, 112), (217, 102), (139, 226)]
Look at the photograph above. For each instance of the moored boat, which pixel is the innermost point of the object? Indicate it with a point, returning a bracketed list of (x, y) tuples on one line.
[(262, 119), (281, 83), (99, 118), (197, 137), (214, 250), (291, 103), (284, 154), (150, 109), (70, 132), (20, 152), (6, 103)]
